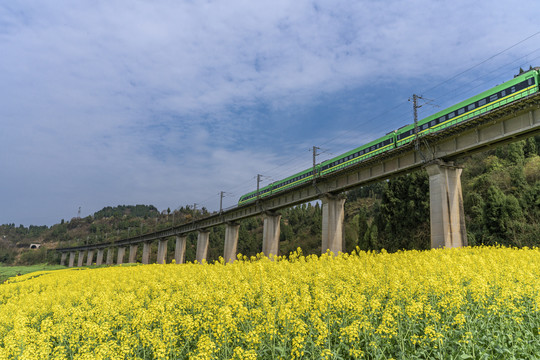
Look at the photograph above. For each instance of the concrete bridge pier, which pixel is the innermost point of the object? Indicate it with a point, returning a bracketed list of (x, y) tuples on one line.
[(202, 245), (231, 241), (63, 259), (147, 247), (71, 258), (90, 257), (271, 232), (333, 214), (109, 256), (80, 259), (121, 253), (99, 257), (162, 251), (133, 253), (180, 249), (447, 216)]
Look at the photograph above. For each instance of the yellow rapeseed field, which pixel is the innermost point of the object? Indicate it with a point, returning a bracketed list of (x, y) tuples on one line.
[(469, 303)]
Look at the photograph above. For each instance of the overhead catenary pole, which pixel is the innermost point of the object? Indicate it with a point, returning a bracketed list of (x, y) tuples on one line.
[(415, 110), (221, 202), (258, 182), (315, 148)]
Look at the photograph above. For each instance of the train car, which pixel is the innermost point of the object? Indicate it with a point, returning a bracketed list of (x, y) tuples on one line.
[(291, 181), (522, 85), (359, 154)]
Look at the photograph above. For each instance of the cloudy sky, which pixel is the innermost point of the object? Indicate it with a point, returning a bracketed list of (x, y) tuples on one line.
[(104, 103)]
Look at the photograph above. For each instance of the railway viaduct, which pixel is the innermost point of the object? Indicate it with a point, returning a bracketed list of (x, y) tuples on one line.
[(435, 152)]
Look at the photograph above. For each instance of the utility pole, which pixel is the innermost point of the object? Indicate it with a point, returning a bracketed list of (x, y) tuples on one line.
[(315, 148)]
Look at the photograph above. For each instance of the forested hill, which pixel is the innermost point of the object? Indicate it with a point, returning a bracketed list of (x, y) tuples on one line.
[(501, 191)]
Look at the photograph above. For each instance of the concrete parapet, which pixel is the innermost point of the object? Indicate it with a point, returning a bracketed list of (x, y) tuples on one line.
[(447, 216), (99, 257), (89, 257), (333, 214), (271, 232), (63, 258), (202, 245), (162, 251), (71, 258), (147, 248), (121, 253), (180, 249), (231, 241), (133, 253), (80, 259)]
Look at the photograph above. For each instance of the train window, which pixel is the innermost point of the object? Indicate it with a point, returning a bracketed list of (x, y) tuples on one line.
[(529, 81), (513, 89), (451, 115), (433, 123), (493, 97), (503, 93), (425, 126), (471, 107), (481, 102), (461, 111)]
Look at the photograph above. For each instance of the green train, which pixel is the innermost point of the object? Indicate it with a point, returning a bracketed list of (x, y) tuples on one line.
[(520, 86)]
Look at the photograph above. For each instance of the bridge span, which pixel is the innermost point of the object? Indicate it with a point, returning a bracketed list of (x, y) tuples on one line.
[(435, 152)]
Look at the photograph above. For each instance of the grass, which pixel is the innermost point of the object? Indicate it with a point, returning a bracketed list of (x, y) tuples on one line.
[(9, 271)]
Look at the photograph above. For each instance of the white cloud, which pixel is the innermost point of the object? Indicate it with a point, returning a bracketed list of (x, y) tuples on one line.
[(161, 102)]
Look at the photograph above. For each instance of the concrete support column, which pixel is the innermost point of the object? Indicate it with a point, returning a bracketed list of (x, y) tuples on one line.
[(133, 254), (333, 214), (63, 259), (271, 231), (231, 241), (99, 258), (202, 245), (90, 257), (162, 251), (147, 247), (110, 256), (71, 258), (81, 259), (120, 257), (180, 249), (447, 216)]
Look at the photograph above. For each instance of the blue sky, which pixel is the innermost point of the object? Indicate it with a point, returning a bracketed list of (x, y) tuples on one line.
[(104, 103)]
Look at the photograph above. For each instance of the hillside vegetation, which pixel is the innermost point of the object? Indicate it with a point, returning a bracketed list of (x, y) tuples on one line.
[(501, 191)]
